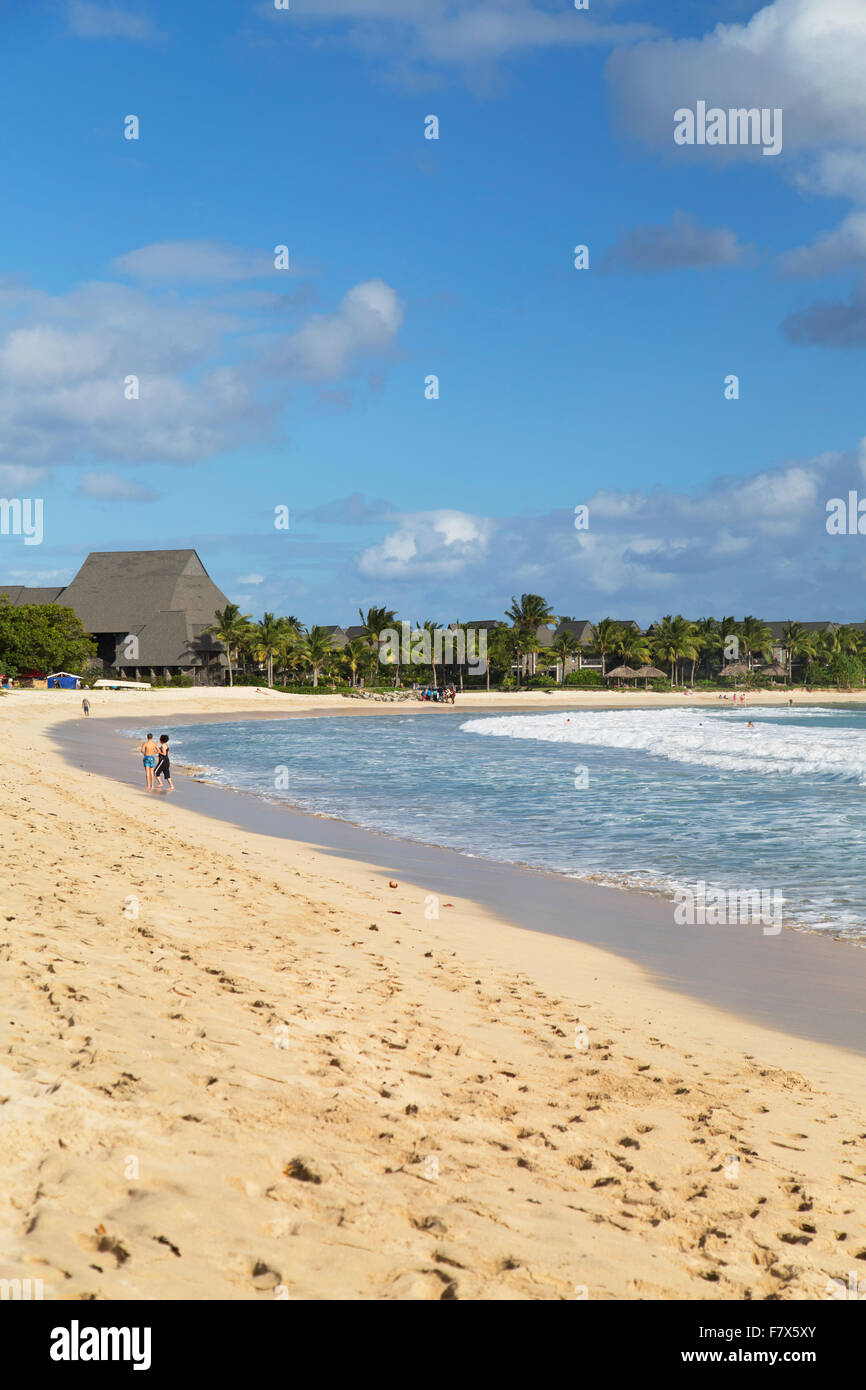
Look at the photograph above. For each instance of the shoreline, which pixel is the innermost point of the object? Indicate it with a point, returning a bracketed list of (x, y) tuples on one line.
[(738, 969), (237, 1063)]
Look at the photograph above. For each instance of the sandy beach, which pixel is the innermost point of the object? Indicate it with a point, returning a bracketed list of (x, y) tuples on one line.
[(229, 1071)]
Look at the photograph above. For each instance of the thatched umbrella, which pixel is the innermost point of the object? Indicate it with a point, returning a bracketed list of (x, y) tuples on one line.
[(624, 673), (774, 669), (650, 673), (736, 668)]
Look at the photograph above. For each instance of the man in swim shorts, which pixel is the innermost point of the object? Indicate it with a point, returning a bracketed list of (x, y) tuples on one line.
[(149, 753)]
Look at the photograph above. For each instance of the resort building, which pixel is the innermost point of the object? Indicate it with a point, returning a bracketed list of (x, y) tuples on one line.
[(148, 611)]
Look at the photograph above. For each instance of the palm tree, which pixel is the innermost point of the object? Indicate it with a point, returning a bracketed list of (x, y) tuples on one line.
[(432, 627), (710, 641), (230, 627), (631, 647), (563, 646), (756, 639), (792, 636), (603, 637), (374, 622), (354, 654), (315, 647), (674, 640), (288, 643), (266, 642), (527, 616)]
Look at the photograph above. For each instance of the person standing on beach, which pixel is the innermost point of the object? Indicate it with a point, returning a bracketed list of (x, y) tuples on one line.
[(149, 753), (163, 766), (85, 705)]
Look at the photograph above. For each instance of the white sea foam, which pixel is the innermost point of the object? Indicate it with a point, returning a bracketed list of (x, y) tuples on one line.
[(718, 739)]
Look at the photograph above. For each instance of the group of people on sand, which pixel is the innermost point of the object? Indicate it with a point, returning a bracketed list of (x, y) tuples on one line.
[(157, 763), (445, 697)]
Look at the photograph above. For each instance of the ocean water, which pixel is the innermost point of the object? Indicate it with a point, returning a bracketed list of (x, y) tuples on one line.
[(653, 799)]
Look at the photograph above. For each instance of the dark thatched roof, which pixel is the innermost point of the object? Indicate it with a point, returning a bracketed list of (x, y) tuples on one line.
[(164, 598)]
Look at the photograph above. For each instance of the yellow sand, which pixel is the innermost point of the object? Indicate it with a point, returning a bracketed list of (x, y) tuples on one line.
[(236, 1067)]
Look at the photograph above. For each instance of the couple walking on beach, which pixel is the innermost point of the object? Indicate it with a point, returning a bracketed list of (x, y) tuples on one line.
[(157, 762)]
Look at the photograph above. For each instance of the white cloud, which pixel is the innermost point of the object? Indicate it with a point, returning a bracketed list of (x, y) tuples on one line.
[(111, 487), (805, 56), (209, 378), (89, 21), (436, 543), (366, 322), (250, 579), (15, 479), (836, 250), (460, 32), (202, 262), (754, 544)]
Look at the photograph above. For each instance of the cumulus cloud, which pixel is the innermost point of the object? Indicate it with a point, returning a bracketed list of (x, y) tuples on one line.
[(805, 56), (210, 376), (684, 245), (365, 324), (89, 21), (111, 487), (425, 544), (754, 544), (250, 579)]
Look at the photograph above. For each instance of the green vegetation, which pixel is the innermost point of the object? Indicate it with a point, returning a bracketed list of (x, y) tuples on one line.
[(42, 637), (530, 650)]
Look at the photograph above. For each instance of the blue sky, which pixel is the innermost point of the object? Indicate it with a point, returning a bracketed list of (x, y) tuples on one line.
[(409, 257)]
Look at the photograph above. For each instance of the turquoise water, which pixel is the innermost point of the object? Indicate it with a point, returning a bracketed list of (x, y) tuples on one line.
[(664, 797)]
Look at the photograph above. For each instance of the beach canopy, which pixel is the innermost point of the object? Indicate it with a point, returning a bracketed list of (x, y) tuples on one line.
[(651, 673), (736, 668), (621, 673), (774, 669)]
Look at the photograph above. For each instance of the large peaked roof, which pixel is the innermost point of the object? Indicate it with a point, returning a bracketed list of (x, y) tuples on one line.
[(118, 590)]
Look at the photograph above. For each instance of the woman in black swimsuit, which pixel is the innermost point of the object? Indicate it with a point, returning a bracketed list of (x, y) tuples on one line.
[(163, 765)]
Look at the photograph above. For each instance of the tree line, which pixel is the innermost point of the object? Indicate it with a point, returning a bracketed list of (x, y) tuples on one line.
[(682, 646), (50, 637)]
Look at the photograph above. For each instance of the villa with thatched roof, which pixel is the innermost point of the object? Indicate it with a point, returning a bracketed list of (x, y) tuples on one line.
[(147, 609)]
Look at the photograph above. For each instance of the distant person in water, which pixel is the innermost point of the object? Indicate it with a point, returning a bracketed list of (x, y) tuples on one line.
[(85, 705), (150, 753), (163, 766)]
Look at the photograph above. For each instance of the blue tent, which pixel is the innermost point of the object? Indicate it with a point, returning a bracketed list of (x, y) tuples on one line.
[(62, 680)]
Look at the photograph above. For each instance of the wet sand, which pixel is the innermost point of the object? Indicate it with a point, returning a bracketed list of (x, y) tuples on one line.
[(798, 982)]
